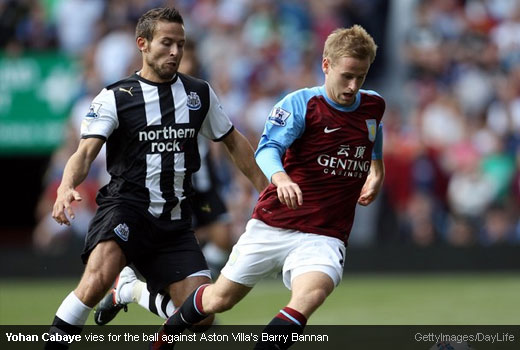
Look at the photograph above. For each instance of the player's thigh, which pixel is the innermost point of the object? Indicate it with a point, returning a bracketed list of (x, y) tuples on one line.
[(123, 225), (259, 253), (315, 253), (173, 261)]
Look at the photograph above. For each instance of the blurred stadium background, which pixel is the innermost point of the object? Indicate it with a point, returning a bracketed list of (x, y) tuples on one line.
[(440, 246)]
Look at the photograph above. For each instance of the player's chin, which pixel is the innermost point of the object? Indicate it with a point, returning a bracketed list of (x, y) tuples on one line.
[(169, 69), (348, 101)]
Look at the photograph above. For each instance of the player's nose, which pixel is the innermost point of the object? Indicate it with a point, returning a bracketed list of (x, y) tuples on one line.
[(353, 85), (175, 50)]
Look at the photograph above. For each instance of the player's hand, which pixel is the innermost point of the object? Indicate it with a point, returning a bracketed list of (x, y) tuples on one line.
[(62, 206), (369, 191), (373, 183), (289, 193)]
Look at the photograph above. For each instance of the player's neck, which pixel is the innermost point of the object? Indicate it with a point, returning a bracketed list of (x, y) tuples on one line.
[(329, 96), (150, 75)]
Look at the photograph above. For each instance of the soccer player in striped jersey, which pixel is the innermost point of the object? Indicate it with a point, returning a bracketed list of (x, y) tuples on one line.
[(150, 122), (322, 151)]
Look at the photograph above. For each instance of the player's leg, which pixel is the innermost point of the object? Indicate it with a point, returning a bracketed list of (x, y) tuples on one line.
[(311, 270), (207, 300), (309, 291), (177, 266), (199, 308), (129, 289), (104, 263), (218, 245), (257, 254), (212, 228)]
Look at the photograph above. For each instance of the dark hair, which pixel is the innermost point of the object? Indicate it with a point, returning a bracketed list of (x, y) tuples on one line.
[(146, 25)]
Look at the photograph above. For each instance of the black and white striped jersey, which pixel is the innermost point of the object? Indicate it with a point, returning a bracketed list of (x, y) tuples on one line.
[(151, 141)]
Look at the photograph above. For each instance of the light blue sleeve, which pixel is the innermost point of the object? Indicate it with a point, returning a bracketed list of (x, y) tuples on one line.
[(377, 151), (284, 125)]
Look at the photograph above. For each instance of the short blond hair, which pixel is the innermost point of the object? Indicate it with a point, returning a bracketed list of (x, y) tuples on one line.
[(350, 42)]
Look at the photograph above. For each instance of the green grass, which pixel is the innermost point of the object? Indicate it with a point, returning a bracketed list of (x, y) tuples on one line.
[(452, 299)]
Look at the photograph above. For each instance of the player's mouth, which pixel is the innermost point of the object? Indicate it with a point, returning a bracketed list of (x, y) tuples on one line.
[(348, 96)]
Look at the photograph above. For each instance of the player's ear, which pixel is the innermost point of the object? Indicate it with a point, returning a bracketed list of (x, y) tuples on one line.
[(325, 65), (142, 44)]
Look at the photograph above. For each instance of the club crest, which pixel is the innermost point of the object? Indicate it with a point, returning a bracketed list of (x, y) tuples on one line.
[(371, 126), (278, 116), (122, 231), (193, 102)]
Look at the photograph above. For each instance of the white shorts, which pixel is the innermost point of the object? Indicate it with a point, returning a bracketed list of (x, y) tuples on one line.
[(264, 251)]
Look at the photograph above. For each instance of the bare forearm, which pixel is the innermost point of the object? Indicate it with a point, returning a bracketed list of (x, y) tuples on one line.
[(377, 171), (249, 169), (74, 173), (242, 154), (373, 183), (78, 165), (76, 170)]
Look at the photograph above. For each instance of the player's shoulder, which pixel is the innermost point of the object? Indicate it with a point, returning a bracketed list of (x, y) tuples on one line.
[(373, 100), (303, 95), (297, 101), (371, 94), (192, 82), (122, 82)]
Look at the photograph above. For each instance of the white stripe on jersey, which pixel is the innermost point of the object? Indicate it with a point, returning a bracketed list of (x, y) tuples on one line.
[(182, 113), (153, 161), (153, 183), (180, 172), (151, 104)]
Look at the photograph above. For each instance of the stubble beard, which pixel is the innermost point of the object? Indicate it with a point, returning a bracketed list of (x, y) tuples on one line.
[(162, 72)]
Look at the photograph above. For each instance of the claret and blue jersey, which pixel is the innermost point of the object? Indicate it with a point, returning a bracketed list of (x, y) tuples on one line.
[(327, 150)]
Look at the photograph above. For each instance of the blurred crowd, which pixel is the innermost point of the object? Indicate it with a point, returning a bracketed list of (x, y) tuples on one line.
[(451, 134), (452, 149)]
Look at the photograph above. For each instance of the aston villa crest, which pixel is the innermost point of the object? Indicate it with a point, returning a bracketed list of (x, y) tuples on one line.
[(193, 101), (371, 126)]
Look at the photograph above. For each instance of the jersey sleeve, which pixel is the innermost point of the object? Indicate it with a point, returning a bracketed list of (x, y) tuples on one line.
[(284, 125), (377, 151), (101, 119), (216, 125)]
